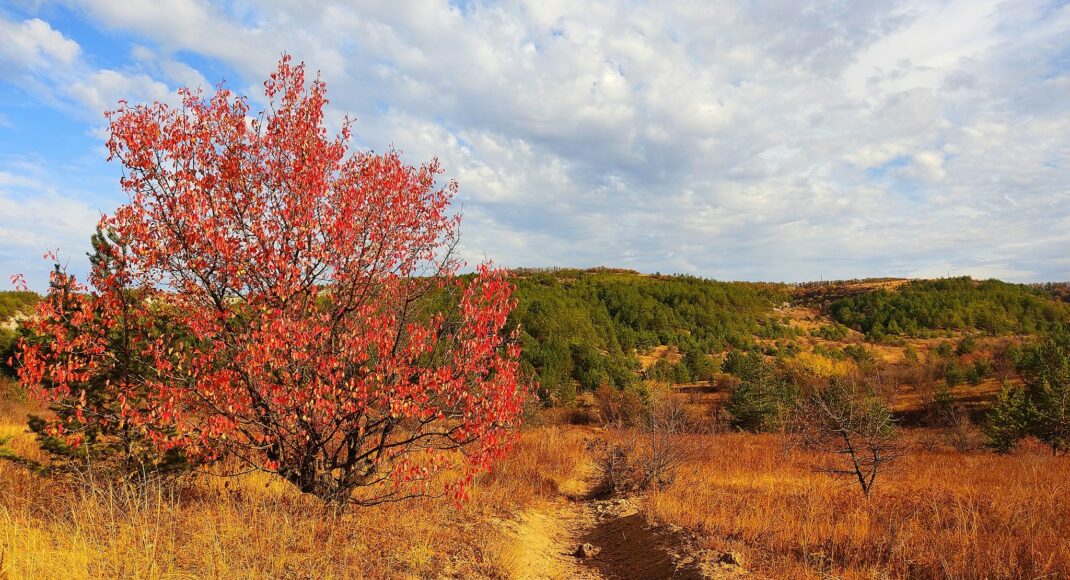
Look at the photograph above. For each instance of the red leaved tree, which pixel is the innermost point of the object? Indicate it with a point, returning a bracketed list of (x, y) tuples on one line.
[(307, 314)]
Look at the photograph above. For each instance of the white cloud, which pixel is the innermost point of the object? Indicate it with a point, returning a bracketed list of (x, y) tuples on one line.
[(102, 89), (927, 165), (731, 139), (179, 73), (41, 213), (44, 62), (34, 44)]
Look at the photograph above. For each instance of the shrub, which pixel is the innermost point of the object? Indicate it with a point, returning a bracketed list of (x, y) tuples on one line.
[(978, 371), (967, 345), (860, 354), (954, 374), (645, 457), (944, 350), (8, 340), (834, 332), (619, 408), (86, 356)]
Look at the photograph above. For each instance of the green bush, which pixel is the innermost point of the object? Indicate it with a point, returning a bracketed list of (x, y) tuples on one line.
[(944, 350), (762, 399), (1008, 420), (8, 341), (954, 374), (967, 345), (980, 369), (860, 354), (835, 331)]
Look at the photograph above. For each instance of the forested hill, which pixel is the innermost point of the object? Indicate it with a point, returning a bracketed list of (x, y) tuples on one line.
[(585, 327), (920, 307)]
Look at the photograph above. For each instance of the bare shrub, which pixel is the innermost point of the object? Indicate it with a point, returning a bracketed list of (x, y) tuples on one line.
[(961, 433), (720, 420), (942, 412), (1003, 355), (614, 462), (646, 456), (663, 448), (618, 408)]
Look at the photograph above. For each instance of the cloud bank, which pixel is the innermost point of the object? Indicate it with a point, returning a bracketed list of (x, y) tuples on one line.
[(736, 140)]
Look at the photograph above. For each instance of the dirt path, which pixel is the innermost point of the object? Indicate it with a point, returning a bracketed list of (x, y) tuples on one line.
[(620, 540), (545, 536)]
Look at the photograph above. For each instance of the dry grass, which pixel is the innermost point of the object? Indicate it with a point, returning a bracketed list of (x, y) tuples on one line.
[(937, 515), (977, 396), (255, 527), (670, 354)]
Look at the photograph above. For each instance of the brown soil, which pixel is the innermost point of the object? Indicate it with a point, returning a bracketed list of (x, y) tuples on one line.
[(631, 548), (544, 541)]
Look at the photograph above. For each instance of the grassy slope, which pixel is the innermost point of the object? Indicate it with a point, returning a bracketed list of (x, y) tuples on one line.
[(936, 514), (50, 528)]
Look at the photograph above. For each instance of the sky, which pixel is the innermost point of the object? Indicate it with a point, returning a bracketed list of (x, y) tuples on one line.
[(737, 140)]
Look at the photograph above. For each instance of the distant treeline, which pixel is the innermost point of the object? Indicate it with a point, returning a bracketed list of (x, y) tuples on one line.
[(11, 304), (585, 328), (922, 306), (849, 281), (1059, 290)]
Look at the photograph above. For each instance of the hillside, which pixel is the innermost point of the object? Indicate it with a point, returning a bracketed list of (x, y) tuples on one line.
[(920, 307), (582, 328), (13, 304)]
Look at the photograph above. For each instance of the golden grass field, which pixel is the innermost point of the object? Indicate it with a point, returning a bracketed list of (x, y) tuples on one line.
[(253, 527), (938, 514)]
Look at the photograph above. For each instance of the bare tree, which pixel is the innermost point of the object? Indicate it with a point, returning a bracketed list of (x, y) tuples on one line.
[(849, 422)]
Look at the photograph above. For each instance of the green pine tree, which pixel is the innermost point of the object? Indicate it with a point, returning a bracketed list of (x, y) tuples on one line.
[(1009, 419)]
